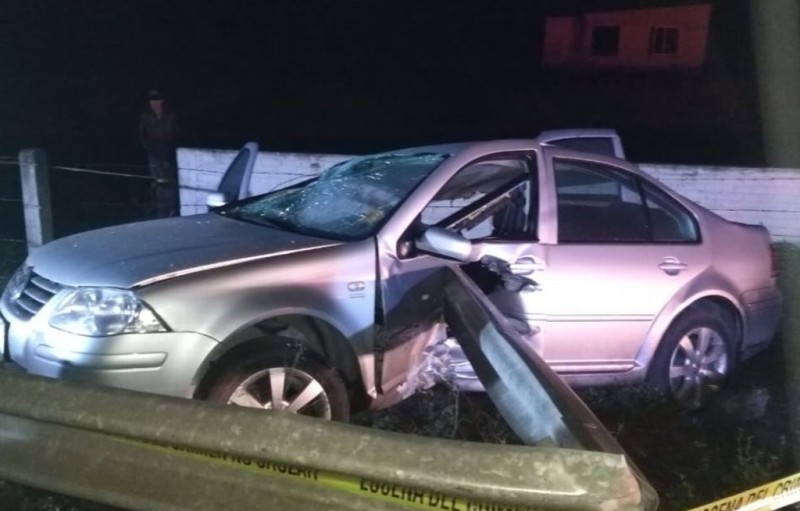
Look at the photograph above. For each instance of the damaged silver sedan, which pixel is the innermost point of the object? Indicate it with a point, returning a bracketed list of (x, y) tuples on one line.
[(327, 296)]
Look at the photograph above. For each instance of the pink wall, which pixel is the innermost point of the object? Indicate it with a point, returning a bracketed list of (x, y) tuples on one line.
[(568, 39)]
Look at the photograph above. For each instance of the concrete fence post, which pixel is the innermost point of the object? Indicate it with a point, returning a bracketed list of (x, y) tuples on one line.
[(35, 178)]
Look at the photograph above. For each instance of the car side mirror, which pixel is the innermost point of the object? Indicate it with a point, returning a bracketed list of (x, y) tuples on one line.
[(442, 242), (216, 199)]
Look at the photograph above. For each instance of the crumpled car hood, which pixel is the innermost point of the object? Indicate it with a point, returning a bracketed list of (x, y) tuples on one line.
[(132, 254)]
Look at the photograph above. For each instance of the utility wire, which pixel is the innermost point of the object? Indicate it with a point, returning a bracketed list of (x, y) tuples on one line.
[(106, 173), (98, 172)]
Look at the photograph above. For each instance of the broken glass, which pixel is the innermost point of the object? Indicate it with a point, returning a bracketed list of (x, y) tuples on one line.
[(349, 201)]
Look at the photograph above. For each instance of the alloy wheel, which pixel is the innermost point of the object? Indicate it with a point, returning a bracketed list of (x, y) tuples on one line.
[(283, 388), (698, 367)]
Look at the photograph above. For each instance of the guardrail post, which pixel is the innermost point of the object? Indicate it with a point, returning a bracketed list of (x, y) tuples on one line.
[(34, 174)]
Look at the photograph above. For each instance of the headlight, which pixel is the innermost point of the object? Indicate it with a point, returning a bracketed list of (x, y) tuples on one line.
[(97, 311)]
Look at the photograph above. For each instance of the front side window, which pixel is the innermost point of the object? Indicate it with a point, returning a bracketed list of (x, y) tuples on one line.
[(600, 204), (349, 201), (490, 199)]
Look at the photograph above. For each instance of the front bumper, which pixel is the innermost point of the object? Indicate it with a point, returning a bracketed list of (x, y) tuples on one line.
[(163, 363)]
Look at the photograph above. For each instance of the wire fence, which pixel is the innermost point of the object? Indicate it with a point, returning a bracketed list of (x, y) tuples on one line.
[(79, 204), (12, 229), (103, 172), (88, 170)]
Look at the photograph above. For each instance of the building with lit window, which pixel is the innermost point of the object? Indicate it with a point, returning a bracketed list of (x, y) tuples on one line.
[(656, 38)]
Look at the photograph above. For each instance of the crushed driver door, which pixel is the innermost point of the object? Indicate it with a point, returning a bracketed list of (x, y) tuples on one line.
[(492, 201)]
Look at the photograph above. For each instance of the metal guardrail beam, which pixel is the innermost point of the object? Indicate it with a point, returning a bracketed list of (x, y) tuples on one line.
[(535, 402), (130, 475), (51, 430)]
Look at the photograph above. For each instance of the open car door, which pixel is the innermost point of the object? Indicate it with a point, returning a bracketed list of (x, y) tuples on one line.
[(599, 141), (235, 182)]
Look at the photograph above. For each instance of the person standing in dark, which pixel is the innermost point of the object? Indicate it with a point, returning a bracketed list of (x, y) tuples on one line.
[(158, 133)]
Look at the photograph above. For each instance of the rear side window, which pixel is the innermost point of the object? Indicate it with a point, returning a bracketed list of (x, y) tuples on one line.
[(669, 221), (601, 204)]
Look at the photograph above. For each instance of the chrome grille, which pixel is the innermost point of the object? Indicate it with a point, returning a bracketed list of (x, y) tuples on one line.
[(37, 293)]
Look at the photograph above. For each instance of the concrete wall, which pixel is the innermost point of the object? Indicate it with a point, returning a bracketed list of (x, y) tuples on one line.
[(200, 171), (752, 195)]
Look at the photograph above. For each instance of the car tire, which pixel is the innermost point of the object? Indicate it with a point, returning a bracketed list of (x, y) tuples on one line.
[(695, 358), (302, 385)]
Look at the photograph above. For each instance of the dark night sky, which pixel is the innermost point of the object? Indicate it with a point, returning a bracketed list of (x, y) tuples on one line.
[(318, 76)]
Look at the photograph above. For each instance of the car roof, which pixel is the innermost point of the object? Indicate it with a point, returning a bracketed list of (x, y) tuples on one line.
[(546, 137), (458, 147)]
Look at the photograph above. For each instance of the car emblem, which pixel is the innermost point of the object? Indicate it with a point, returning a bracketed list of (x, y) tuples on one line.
[(18, 283)]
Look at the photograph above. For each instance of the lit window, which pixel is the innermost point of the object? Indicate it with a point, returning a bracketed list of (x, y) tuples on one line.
[(663, 41), (605, 41)]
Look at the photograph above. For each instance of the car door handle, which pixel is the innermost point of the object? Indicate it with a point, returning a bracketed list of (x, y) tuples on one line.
[(672, 266), (526, 266)]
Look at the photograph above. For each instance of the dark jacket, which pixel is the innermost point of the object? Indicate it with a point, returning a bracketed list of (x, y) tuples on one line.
[(158, 134)]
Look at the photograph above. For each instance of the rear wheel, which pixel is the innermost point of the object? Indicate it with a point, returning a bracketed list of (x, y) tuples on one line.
[(286, 380), (695, 358)]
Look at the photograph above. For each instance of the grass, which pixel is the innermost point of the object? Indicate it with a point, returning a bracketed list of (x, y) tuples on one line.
[(749, 437)]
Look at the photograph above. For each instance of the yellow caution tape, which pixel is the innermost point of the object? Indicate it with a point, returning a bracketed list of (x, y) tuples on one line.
[(396, 493), (774, 495)]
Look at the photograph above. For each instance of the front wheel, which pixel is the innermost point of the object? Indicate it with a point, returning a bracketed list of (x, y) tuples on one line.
[(695, 358), (284, 380)]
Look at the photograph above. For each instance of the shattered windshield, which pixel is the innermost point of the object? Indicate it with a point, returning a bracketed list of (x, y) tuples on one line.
[(348, 201)]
